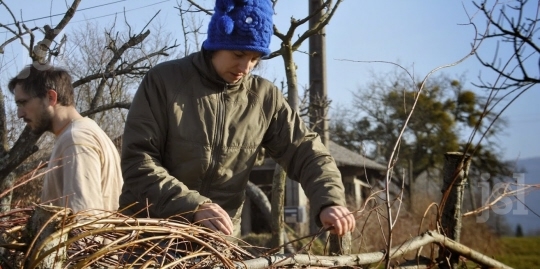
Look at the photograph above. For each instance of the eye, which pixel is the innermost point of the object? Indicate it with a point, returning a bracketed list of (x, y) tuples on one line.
[(20, 103)]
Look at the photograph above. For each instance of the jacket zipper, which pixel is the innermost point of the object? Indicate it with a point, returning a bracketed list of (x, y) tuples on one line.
[(217, 144)]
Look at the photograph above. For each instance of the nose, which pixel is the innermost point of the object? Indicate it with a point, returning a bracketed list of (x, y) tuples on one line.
[(20, 112), (245, 66)]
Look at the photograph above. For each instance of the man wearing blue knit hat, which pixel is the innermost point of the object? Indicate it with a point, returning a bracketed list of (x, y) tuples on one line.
[(196, 125)]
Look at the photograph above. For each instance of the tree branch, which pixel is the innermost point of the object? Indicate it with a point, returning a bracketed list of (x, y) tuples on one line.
[(517, 30), (325, 19), (200, 8), (106, 107), (373, 257), (42, 48), (21, 150)]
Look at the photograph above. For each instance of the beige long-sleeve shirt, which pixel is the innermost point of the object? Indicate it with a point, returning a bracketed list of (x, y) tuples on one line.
[(84, 169)]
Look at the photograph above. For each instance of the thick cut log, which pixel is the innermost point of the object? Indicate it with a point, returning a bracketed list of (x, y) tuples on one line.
[(45, 252)]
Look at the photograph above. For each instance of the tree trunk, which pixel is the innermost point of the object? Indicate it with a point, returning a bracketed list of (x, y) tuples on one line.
[(456, 169), (21, 150), (5, 199), (278, 199)]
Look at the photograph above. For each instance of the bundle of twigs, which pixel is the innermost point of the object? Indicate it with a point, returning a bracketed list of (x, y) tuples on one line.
[(112, 241)]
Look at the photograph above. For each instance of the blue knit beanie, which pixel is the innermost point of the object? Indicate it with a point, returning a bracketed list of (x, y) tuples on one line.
[(241, 25)]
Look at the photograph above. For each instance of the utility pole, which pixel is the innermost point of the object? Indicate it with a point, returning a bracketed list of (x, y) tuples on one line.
[(317, 79), (317, 75), (318, 104)]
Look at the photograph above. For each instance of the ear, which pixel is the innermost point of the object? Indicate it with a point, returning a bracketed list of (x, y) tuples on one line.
[(52, 95)]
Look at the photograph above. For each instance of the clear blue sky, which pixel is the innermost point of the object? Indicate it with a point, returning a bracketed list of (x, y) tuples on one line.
[(416, 33)]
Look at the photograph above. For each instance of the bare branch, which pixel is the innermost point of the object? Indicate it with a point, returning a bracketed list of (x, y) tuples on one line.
[(200, 8), (3, 45), (325, 19), (520, 33), (106, 75), (106, 107), (3, 127), (371, 258), (117, 54), (21, 150), (506, 191), (39, 53)]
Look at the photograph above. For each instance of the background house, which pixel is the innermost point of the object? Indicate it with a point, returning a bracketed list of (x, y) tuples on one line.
[(360, 175)]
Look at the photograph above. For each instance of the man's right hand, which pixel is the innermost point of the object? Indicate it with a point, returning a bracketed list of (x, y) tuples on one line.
[(214, 217)]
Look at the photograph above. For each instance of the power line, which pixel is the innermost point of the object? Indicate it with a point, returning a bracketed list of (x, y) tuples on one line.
[(61, 14), (112, 14), (93, 18)]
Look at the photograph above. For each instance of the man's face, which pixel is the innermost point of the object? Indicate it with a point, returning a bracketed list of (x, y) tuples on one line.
[(33, 111), (232, 65)]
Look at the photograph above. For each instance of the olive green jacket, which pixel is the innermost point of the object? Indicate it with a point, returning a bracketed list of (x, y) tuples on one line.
[(190, 138)]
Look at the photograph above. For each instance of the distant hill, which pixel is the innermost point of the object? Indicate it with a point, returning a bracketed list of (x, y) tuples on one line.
[(530, 222)]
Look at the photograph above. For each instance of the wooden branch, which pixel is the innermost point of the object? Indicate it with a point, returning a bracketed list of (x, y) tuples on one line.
[(47, 219), (161, 52), (373, 257), (102, 108), (278, 200), (494, 199), (200, 8), (519, 34), (132, 42), (16, 35), (3, 126), (103, 75), (40, 51), (9, 10), (467, 252), (22, 149), (51, 35), (325, 18), (296, 23), (32, 40), (279, 35), (30, 175), (7, 42)]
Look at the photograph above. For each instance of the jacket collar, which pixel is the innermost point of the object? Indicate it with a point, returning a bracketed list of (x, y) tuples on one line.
[(203, 63)]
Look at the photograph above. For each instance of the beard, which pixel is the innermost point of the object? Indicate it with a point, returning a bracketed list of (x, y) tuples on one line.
[(43, 123)]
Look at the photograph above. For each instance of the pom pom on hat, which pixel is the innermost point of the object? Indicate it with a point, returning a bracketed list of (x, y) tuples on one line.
[(241, 25)]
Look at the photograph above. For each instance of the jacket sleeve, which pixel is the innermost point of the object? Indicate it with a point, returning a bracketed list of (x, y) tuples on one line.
[(146, 181), (305, 158)]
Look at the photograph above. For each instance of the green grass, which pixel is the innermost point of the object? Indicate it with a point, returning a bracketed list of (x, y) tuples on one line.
[(520, 252)]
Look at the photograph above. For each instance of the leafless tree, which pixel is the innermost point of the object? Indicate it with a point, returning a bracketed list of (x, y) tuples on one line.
[(92, 52), (512, 26), (105, 67)]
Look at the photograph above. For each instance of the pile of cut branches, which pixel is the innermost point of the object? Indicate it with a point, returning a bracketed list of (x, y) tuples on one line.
[(52, 237)]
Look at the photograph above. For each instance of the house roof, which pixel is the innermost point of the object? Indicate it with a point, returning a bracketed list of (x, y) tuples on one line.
[(344, 156)]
